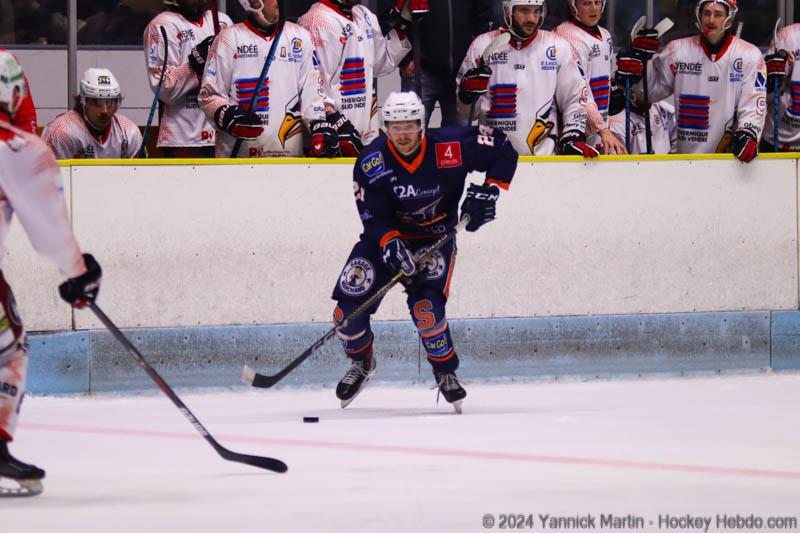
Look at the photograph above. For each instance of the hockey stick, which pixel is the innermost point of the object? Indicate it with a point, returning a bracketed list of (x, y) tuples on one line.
[(494, 45), (266, 463), (261, 78), (215, 15), (661, 28), (777, 116), (635, 30), (158, 93), (265, 381)]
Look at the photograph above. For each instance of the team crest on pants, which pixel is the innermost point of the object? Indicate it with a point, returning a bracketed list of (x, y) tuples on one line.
[(357, 277), (434, 265)]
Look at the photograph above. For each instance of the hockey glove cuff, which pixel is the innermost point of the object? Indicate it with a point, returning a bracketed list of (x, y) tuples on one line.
[(745, 145), (324, 142), (81, 290), (480, 205), (776, 68), (629, 66), (199, 54), (349, 140), (646, 43), (239, 122), (398, 258), (574, 143), (474, 84)]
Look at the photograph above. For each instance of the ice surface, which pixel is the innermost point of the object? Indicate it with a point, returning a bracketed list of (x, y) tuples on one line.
[(396, 461)]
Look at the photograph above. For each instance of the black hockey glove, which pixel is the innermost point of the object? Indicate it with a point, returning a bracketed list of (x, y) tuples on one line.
[(629, 66), (398, 258), (616, 101), (573, 142), (480, 205), (776, 68), (744, 145), (324, 142), (199, 54), (349, 140), (394, 20), (82, 290), (474, 84), (646, 43), (239, 122)]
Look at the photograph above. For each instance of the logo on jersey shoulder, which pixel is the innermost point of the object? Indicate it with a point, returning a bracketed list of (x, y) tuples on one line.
[(690, 69), (186, 34), (551, 53), (448, 155), (737, 75), (357, 277), (295, 54), (372, 165), (246, 50)]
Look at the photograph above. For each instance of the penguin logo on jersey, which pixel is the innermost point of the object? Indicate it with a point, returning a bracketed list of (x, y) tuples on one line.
[(292, 123), (357, 277)]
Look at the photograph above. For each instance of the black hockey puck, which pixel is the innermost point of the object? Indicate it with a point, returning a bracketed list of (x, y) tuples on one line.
[(310, 419)]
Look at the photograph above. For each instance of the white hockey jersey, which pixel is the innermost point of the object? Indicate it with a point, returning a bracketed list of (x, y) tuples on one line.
[(530, 83), (662, 123), (69, 138), (31, 188), (713, 95), (183, 122), (291, 93), (352, 51), (789, 104), (596, 55)]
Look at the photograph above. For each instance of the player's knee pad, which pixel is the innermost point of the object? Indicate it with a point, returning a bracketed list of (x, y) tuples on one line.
[(12, 387), (356, 337)]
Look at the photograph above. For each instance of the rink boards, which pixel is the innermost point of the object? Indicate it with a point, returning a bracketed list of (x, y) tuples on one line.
[(591, 267)]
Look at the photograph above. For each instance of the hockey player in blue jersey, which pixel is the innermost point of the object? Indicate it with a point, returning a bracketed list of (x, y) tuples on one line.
[(407, 186)]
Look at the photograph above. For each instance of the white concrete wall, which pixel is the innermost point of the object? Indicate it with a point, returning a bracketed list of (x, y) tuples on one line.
[(243, 244)]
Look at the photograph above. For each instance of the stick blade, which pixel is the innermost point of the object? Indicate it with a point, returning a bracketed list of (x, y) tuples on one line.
[(267, 463), (664, 26), (638, 26), (248, 375), (495, 44)]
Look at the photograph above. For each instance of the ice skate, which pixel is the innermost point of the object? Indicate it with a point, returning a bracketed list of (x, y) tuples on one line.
[(450, 388), (17, 478), (355, 379)]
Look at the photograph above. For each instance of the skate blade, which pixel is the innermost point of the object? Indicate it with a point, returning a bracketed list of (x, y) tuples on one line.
[(345, 403), (457, 406), (25, 488)]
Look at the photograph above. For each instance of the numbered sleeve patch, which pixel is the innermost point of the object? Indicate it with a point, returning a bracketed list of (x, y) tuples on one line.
[(448, 155)]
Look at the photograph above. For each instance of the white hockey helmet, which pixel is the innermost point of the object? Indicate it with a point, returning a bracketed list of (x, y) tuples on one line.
[(99, 83), (574, 10), (508, 11), (730, 6), (12, 83), (403, 106)]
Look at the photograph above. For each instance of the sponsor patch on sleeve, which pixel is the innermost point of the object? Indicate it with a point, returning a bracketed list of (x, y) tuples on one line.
[(448, 155)]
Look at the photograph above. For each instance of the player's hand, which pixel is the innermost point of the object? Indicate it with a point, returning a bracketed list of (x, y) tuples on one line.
[(474, 83), (744, 145), (573, 142), (629, 66), (398, 258), (616, 100), (324, 141), (394, 20), (646, 43), (82, 290), (776, 68), (480, 205), (611, 145), (349, 140), (239, 122), (199, 54)]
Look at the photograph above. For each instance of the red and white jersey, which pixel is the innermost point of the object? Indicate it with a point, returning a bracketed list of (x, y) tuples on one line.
[(290, 95), (183, 123), (662, 123), (530, 83), (352, 51), (31, 188), (595, 55), (25, 117), (789, 104), (713, 94), (70, 138)]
